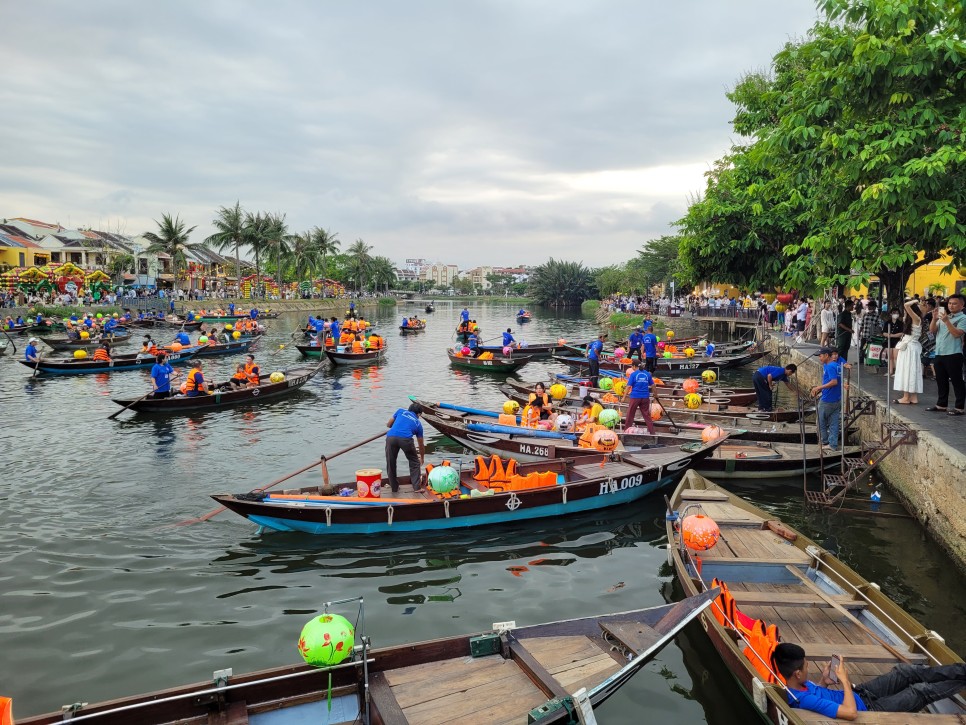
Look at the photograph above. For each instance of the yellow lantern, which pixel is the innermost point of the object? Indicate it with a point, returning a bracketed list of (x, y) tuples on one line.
[(689, 351), (709, 376), (236, 334), (693, 400), (80, 354)]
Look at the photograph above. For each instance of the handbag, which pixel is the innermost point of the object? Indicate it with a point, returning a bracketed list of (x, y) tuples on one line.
[(903, 343)]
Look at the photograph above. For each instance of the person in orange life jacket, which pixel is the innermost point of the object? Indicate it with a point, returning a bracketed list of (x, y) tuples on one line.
[(905, 688), (639, 384), (103, 353), (375, 342), (403, 426), (240, 378), (195, 385), (251, 370), (358, 343), (161, 374), (540, 393)]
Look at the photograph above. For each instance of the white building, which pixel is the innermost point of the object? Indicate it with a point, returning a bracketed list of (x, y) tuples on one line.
[(441, 275)]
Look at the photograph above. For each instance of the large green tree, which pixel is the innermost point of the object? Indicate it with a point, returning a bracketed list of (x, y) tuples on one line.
[(561, 284), (172, 238), (359, 261)]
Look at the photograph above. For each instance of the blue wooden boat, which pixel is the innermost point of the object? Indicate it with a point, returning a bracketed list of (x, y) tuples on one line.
[(130, 361), (543, 489)]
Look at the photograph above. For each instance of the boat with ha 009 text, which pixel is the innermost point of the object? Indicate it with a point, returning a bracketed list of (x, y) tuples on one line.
[(117, 363), (526, 673), (224, 395), (774, 577), (506, 492), (492, 364)]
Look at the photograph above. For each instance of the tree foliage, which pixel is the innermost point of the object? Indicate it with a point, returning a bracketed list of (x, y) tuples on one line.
[(561, 284), (172, 238)]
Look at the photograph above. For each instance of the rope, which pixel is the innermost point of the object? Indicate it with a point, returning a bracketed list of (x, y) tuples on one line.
[(446, 506), (328, 516), (565, 495), (389, 513)]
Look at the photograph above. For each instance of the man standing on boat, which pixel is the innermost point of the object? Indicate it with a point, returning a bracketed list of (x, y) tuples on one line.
[(766, 379), (161, 374), (403, 426), (649, 343), (905, 688), (639, 384), (593, 357), (634, 341)]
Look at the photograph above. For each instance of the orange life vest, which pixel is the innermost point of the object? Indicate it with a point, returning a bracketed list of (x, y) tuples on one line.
[(251, 370), (375, 342), (545, 399), (101, 354), (191, 384), (345, 338), (357, 346), (241, 377)]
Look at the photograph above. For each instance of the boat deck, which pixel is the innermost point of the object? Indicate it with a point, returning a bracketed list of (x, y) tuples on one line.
[(770, 579)]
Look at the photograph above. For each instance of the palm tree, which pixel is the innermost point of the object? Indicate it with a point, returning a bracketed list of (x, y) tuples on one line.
[(277, 241), (171, 239), (382, 272), (328, 243), (230, 224), (256, 234), (304, 256), (359, 261)]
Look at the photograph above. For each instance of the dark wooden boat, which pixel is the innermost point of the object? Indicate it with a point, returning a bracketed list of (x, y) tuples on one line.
[(517, 670), (310, 351), (565, 487), (21, 329), (409, 329), (224, 348), (494, 365), (228, 319), (430, 308), (45, 329), (778, 576), (64, 343), (525, 317), (674, 366), (537, 350), (721, 349), (355, 359), (710, 393), (295, 378), (130, 361)]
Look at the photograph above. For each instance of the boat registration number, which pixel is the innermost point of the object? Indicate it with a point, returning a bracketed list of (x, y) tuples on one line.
[(612, 485), (688, 366), (297, 381), (531, 450)]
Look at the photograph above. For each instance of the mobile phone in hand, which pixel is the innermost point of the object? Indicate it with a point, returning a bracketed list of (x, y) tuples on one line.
[(833, 665)]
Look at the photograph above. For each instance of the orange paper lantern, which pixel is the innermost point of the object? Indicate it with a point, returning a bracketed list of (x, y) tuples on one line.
[(699, 532)]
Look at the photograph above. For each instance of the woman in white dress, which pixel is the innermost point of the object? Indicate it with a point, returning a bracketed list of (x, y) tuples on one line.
[(908, 378)]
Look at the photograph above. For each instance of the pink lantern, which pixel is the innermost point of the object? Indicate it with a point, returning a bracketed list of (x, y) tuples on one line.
[(466, 351), (507, 351)]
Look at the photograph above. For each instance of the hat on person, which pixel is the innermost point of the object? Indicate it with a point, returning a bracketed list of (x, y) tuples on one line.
[(825, 351), (33, 339)]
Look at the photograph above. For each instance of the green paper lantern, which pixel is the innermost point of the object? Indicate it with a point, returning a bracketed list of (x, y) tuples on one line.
[(444, 479), (609, 418), (326, 640)]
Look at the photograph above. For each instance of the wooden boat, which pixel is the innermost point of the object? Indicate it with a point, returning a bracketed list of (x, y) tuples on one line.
[(721, 349), (525, 317), (4, 346), (45, 329), (777, 575), (355, 359), (228, 319), (731, 459), (178, 323), (295, 378), (409, 329), (710, 393), (515, 670), (674, 366), (430, 307), (493, 365), (310, 351), (560, 487), (538, 350), (18, 329), (63, 343), (129, 361), (709, 408)]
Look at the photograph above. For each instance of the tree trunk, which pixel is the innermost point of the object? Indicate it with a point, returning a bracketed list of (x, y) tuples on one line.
[(237, 271)]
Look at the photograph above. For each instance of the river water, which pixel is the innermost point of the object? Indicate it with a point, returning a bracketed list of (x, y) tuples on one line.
[(101, 596)]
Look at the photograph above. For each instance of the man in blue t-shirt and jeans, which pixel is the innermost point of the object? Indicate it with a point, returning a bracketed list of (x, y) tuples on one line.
[(766, 378), (403, 425), (830, 399), (906, 688)]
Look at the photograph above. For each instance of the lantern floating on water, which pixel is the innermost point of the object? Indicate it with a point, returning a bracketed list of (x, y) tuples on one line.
[(709, 376), (699, 532), (326, 640)]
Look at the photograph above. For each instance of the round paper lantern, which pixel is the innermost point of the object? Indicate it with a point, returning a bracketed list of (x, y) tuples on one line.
[(277, 377), (80, 354), (203, 340), (229, 327), (656, 411), (235, 335), (672, 348), (326, 640), (558, 391), (784, 298), (605, 441), (668, 354), (511, 407), (693, 400), (779, 307), (620, 352), (702, 343), (689, 351), (699, 532), (466, 351), (605, 384), (690, 385), (620, 386), (565, 423), (507, 351), (100, 316), (712, 432), (709, 376), (561, 341), (85, 335), (444, 479), (669, 334), (175, 347), (609, 418), (661, 345)]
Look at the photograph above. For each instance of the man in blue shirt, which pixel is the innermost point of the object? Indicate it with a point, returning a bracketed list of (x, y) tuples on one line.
[(648, 324), (508, 337), (161, 373), (593, 357), (639, 385), (709, 350), (473, 343), (906, 688), (183, 338), (334, 330), (30, 354), (634, 341), (765, 377), (649, 343), (403, 426), (830, 399), (231, 309)]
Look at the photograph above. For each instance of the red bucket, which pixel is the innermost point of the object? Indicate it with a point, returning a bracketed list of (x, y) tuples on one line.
[(369, 483)]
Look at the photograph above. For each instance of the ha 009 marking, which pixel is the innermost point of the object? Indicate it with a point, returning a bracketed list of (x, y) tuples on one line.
[(612, 485), (530, 450)]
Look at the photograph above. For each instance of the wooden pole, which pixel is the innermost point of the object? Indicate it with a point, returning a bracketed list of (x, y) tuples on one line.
[(112, 416)]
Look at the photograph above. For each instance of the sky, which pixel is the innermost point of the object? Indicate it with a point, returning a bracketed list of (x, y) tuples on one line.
[(492, 132)]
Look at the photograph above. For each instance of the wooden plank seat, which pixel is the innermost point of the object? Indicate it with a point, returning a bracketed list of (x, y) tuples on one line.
[(885, 718), (634, 636), (694, 495), (822, 651), (794, 599)]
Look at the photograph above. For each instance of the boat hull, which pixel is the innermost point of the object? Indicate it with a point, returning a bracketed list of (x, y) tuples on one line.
[(494, 365), (356, 359), (83, 367)]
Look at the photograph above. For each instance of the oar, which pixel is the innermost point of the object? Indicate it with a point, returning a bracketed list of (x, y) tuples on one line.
[(112, 416), (11, 342), (666, 411), (321, 462), (37, 366)]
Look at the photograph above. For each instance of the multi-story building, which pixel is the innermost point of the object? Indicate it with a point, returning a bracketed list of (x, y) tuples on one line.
[(479, 276), (441, 275)]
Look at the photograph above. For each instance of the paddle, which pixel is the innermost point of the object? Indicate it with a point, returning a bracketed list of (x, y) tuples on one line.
[(37, 366), (667, 412), (321, 462), (133, 402), (11, 342)]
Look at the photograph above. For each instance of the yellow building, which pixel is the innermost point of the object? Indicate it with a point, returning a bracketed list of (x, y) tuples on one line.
[(16, 250)]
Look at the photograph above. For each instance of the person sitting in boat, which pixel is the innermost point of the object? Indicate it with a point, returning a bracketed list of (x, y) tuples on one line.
[(346, 338), (376, 342), (195, 385), (161, 374), (540, 393), (405, 322), (8, 322), (190, 317), (240, 378), (522, 313), (362, 324), (359, 343), (183, 338), (508, 338), (20, 321), (464, 330), (473, 343), (73, 333), (252, 371), (906, 688), (103, 353), (253, 313), (589, 410), (31, 354)]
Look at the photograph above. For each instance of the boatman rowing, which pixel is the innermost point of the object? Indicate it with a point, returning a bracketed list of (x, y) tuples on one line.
[(403, 425)]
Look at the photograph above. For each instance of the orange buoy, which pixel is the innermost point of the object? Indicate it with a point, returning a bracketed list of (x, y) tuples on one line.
[(699, 532)]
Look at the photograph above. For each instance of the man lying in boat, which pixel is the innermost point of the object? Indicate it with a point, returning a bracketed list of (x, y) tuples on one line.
[(906, 688)]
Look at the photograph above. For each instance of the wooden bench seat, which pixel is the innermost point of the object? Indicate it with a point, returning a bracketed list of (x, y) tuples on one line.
[(794, 599), (822, 651), (885, 718)]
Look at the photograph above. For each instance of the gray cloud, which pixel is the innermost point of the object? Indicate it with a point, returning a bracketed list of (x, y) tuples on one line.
[(476, 132)]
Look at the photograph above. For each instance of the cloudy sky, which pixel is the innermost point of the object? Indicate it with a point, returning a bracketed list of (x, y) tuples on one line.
[(469, 132)]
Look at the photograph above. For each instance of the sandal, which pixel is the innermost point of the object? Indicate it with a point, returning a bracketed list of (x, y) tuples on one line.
[(902, 402), (934, 409), (954, 411)]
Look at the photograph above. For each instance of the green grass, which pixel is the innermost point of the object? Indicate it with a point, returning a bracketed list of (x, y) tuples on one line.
[(589, 307), (387, 301)]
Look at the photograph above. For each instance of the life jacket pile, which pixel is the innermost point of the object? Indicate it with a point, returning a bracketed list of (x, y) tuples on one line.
[(485, 356), (500, 475), (762, 638)]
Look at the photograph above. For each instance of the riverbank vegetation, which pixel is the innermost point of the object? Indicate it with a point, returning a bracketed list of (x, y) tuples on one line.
[(561, 284)]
